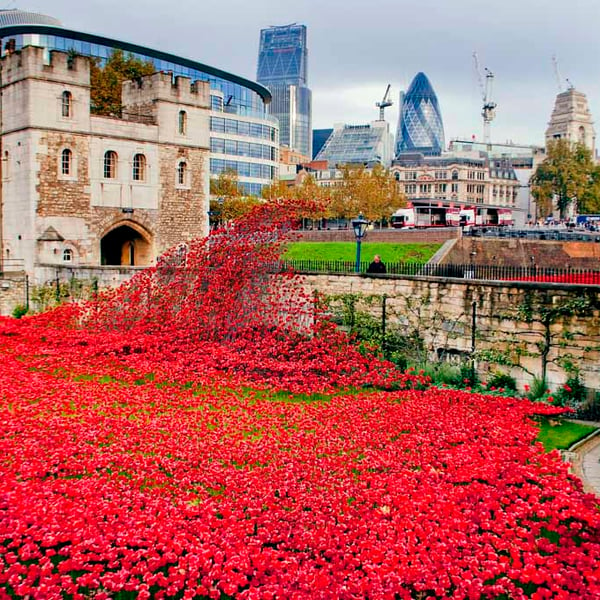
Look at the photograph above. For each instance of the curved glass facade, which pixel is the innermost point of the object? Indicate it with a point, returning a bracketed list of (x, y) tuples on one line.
[(420, 127), (235, 97)]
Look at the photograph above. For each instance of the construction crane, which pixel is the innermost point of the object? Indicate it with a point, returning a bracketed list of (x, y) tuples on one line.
[(488, 112), (384, 103), (557, 73)]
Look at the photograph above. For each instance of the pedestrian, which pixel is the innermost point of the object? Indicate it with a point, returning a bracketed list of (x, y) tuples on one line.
[(376, 266)]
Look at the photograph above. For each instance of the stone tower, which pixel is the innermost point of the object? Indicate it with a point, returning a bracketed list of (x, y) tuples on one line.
[(571, 120)]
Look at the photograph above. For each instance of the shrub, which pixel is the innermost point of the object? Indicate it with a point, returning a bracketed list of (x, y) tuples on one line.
[(572, 393), (538, 389), (502, 380), (19, 311)]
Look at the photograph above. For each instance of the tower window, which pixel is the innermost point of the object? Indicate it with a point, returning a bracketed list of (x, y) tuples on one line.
[(67, 255), (182, 125), (182, 173), (110, 164), (67, 104), (139, 167), (66, 162)]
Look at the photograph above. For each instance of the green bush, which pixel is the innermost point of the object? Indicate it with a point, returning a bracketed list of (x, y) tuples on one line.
[(538, 389), (20, 310), (502, 380), (572, 393)]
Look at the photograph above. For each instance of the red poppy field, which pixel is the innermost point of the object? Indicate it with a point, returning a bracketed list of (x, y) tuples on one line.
[(148, 450)]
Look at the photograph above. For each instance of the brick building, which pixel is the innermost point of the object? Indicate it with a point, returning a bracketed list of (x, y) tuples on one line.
[(81, 190)]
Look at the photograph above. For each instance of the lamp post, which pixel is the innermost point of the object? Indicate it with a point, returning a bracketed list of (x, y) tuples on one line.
[(360, 228)]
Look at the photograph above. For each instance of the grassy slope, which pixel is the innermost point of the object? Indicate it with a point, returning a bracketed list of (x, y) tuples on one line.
[(347, 251), (563, 435)]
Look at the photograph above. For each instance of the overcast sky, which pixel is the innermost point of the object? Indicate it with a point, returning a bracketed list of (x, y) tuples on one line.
[(357, 47)]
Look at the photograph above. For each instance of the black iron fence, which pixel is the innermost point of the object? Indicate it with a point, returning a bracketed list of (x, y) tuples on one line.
[(458, 271)]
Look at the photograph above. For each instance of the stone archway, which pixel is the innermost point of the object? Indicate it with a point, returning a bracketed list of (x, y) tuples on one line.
[(126, 245)]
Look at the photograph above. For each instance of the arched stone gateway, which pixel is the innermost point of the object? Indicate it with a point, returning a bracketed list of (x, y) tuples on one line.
[(126, 245)]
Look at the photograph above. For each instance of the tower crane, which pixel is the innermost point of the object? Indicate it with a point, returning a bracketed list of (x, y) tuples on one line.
[(385, 102), (557, 73), (488, 112)]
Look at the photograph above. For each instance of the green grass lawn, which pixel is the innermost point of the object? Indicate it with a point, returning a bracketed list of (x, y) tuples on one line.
[(563, 435), (390, 253)]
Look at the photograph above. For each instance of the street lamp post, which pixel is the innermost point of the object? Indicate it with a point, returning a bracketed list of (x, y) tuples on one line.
[(360, 228)]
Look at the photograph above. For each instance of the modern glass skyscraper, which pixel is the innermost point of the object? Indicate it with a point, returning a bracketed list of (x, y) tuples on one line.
[(282, 68), (420, 127)]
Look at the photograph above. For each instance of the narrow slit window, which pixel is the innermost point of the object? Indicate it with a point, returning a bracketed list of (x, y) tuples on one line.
[(66, 162), (182, 122), (67, 104), (181, 173)]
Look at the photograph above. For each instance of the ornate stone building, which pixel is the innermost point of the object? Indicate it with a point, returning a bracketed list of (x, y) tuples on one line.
[(81, 190), (571, 119)]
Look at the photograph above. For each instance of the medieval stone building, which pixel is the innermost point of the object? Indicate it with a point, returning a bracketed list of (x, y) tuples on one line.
[(80, 190)]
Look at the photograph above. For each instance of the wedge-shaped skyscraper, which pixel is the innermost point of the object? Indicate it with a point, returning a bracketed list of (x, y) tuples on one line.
[(420, 127)]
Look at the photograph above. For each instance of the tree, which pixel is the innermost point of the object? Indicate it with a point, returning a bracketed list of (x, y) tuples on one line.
[(227, 202), (567, 174), (373, 193), (105, 81)]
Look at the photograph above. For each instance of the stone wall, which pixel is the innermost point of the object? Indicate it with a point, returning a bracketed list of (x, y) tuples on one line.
[(12, 292), (523, 253), (441, 312)]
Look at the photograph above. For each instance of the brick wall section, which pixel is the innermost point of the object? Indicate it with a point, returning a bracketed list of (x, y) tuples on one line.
[(395, 236), (444, 308), (517, 252), (12, 292), (183, 212), (58, 197)]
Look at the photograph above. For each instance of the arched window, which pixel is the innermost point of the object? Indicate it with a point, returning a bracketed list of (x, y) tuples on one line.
[(182, 126), (67, 255), (582, 135), (66, 162), (139, 167), (67, 104), (110, 164), (454, 175), (182, 173), (397, 175)]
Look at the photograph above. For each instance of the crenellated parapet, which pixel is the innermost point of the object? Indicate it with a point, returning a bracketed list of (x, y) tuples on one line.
[(162, 87), (33, 62)]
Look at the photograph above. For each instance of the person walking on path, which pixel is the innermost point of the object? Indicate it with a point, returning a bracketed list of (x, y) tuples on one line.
[(376, 266)]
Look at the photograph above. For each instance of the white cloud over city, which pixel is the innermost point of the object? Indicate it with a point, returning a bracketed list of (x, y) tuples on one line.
[(356, 48)]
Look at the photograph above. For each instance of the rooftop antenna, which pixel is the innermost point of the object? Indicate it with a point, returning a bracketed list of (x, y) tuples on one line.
[(385, 102), (488, 112)]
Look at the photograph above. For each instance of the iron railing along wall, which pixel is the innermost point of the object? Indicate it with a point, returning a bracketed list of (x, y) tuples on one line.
[(458, 271)]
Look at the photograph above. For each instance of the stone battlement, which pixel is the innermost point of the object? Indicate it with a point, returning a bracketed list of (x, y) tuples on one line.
[(163, 87), (31, 62)]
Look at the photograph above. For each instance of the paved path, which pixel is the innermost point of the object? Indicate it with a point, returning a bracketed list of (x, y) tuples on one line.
[(590, 465), (585, 462)]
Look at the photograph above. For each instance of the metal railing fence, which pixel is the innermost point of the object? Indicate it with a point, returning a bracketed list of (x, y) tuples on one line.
[(536, 273)]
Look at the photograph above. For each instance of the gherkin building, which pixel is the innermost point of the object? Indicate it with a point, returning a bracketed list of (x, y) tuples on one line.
[(420, 127)]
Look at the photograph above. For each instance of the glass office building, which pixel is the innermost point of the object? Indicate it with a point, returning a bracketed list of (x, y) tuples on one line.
[(420, 124), (244, 137), (282, 68)]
